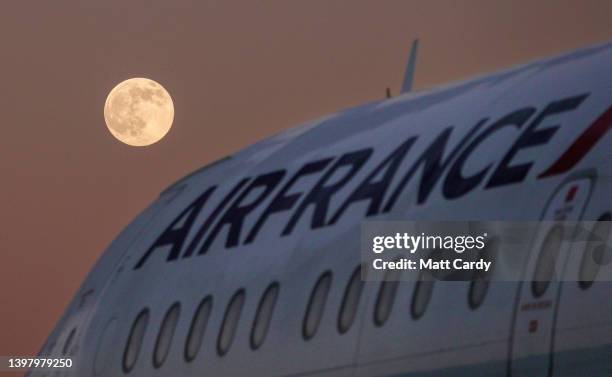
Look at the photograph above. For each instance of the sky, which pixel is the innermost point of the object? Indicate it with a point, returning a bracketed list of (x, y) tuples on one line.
[(238, 71)]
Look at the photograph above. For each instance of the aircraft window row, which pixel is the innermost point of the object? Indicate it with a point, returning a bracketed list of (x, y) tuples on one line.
[(421, 296), (261, 323), (423, 291), (231, 318)]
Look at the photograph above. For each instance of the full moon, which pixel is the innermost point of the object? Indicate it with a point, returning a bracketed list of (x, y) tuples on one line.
[(138, 112)]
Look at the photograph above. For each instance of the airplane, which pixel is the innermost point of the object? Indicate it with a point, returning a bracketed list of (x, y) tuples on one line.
[(250, 266)]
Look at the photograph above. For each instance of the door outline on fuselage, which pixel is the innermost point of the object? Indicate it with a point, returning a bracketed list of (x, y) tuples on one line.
[(591, 176)]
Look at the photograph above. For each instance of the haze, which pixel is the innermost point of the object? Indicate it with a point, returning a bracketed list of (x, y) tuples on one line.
[(237, 71)]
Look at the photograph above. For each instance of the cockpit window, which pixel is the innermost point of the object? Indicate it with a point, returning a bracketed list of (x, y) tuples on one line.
[(166, 332), (134, 343), (316, 305), (230, 322), (264, 315), (198, 328), (350, 302)]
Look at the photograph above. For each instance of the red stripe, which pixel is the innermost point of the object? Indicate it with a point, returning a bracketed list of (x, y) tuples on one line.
[(581, 146), (571, 194)]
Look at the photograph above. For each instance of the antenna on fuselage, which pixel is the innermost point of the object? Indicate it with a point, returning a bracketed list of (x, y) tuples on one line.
[(409, 75)]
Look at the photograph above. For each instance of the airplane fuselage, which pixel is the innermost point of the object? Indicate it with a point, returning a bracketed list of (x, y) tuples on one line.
[(246, 267)]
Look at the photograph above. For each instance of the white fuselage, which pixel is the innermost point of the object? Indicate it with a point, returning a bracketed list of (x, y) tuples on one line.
[(287, 211)]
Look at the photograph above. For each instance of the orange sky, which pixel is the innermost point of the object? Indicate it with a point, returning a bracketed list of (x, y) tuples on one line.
[(237, 71)]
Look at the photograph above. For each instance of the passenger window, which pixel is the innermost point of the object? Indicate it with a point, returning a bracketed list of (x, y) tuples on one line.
[(545, 267), (230, 322), (316, 305), (422, 295), (386, 297), (264, 315), (166, 332), (134, 343), (479, 286), (595, 253), (350, 302), (197, 329)]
